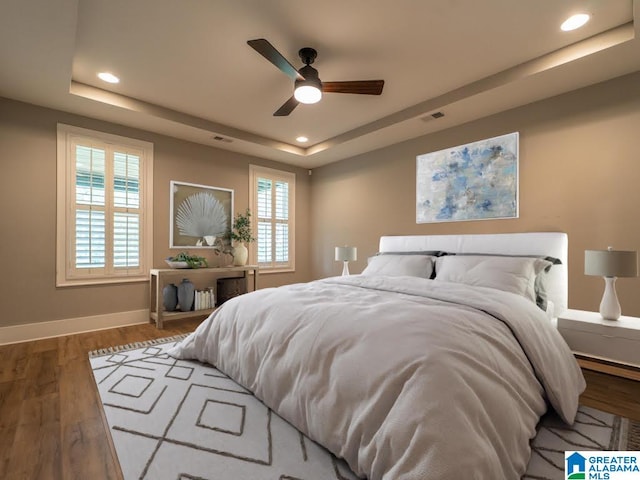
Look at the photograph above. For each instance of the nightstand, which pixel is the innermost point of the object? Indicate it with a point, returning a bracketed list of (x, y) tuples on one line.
[(591, 336)]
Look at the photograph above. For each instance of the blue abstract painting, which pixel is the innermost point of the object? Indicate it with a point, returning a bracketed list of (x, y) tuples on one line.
[(476, 181)]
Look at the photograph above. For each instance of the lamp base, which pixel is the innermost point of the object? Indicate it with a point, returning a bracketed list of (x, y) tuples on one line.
[(345, 268), (610, 306)]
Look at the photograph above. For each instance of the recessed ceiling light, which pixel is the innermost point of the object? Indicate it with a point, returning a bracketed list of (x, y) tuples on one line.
[(302, 139), (574, 21), (108, 77)]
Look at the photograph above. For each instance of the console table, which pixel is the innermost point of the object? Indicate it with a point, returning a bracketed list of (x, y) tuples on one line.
[(164, 276)]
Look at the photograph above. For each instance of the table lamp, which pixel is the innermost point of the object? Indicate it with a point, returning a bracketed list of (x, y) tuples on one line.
[(610, 264), (346, 254)]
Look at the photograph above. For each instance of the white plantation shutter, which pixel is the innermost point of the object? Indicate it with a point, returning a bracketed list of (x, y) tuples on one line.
[(271, 203), (126, 240), (281, 222), (89, 207), (264, 208), (104, 217), (126, 215), (90, 239)]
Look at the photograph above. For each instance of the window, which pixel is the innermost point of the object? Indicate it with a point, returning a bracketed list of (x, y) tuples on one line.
[(271, 199), (104, 222)]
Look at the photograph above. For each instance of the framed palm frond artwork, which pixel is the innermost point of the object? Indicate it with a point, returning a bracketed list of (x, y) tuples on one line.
[(200, 215)]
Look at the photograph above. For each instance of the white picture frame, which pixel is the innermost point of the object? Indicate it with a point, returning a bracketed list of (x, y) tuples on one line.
[(200, 216)]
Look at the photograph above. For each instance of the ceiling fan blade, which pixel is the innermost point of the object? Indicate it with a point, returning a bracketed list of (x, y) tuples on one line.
[(286, 108), (268, 51), (361, 87)]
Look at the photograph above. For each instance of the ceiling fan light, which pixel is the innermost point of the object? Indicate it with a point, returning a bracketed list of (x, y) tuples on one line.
[(307, 94)]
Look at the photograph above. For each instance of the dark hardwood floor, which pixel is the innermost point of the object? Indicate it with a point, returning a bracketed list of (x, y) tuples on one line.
[(611, 392), (51, 420)]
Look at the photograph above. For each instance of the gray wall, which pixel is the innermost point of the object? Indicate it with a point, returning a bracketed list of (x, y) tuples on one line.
[(28, 213), (579, 173)]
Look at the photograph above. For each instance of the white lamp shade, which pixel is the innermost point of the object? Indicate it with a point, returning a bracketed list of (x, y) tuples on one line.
[(346, 254), (611, 263)]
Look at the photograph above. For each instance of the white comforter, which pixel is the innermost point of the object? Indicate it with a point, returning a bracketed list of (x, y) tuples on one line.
[(404, 378)]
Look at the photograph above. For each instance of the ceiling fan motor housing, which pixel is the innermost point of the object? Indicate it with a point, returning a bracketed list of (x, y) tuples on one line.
[(311, 77), (309, 89)]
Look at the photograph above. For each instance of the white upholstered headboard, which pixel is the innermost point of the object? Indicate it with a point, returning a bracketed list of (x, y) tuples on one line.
[(554, 244)]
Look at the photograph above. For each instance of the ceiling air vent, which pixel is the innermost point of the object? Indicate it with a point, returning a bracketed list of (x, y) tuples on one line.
[(431, 116)]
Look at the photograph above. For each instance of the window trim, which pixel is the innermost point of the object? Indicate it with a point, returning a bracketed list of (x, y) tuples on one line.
[(65, 208), (272, 174)]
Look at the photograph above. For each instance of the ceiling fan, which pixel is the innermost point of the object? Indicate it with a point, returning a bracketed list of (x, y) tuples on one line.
[(308, 87)]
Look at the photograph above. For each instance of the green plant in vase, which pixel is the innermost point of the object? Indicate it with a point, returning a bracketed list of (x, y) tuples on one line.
[(241, 234)]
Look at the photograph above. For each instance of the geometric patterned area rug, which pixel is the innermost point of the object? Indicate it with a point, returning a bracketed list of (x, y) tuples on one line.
[(184, 420), (592, 430)]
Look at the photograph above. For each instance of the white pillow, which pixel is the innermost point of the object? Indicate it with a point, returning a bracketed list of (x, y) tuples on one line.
[(511, 274), (395, 265)]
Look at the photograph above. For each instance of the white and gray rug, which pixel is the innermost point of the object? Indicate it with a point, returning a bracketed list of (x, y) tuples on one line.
[(177, 420)]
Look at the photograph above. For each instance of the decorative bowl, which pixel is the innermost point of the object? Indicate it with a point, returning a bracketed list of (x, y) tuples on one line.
[(173, 264)]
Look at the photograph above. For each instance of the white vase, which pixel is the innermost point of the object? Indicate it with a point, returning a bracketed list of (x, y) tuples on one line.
[(240, 254)]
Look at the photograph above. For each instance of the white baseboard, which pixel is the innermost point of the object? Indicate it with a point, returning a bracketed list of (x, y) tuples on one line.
[(69, 326)]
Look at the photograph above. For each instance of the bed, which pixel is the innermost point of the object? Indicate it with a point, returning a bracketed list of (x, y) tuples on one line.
[(436, 362)]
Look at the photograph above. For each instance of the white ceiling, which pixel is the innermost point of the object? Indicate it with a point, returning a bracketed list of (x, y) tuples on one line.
[(187, 71)]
